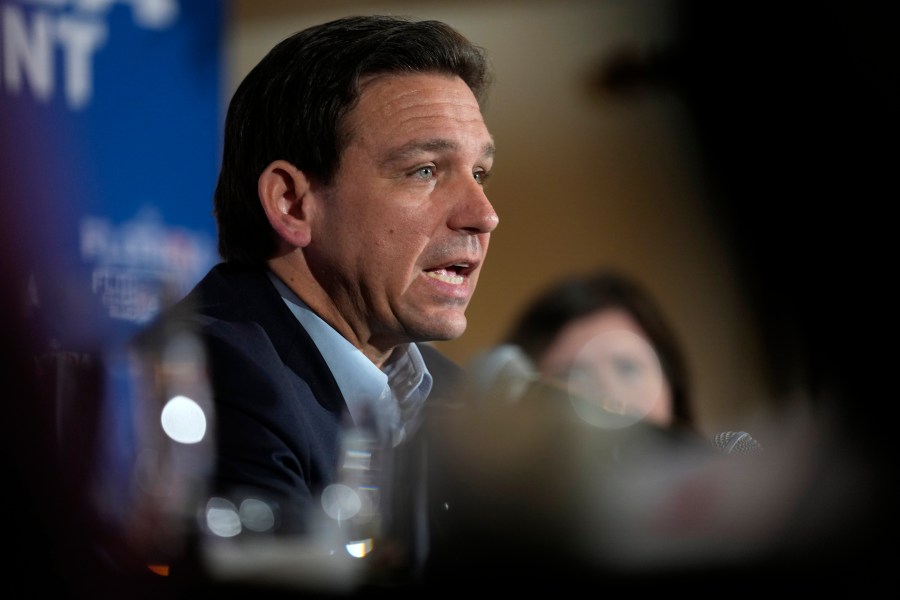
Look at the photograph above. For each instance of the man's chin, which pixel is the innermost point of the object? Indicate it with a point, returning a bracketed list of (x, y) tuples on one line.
[(443, 330)]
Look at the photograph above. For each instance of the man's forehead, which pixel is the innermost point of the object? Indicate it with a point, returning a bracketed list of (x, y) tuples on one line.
[(411, 114), (414, 95)]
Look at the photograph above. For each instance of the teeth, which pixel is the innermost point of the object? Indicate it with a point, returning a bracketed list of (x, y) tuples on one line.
[(446, 276)]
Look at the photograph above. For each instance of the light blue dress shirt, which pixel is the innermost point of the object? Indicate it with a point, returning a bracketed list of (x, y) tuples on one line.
[(389, 400)]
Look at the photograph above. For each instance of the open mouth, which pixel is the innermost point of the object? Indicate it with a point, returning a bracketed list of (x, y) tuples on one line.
[(454, 274)]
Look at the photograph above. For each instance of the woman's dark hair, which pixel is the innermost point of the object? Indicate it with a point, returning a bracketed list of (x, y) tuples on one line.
[(292, 106), (582, 295)]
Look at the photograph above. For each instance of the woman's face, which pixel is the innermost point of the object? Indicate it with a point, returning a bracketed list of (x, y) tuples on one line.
[(606, 358)]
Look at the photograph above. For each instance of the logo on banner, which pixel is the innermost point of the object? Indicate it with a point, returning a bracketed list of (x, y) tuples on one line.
[(141, 264)]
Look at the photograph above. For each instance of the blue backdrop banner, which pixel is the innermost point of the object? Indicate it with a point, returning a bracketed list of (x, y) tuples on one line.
[(110, 113), (110, 135)]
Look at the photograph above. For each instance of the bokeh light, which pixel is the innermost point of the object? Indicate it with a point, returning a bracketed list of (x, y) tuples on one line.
[(256, 515), (183, 420), (360, 548), (222, 518), (341, 502)]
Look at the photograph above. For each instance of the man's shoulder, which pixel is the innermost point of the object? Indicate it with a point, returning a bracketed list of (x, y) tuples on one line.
[(225, 284), (225, 294)]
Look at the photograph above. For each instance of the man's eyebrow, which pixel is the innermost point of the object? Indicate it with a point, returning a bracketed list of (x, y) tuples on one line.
[(411, 149)]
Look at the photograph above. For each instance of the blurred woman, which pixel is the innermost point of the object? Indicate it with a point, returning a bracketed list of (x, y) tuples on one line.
[(603, 336)]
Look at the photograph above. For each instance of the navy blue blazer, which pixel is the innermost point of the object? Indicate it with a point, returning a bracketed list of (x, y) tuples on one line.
[(278, 409)]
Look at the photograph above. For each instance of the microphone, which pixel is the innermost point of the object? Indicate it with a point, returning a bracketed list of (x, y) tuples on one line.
[(503, 373), (736, 442)]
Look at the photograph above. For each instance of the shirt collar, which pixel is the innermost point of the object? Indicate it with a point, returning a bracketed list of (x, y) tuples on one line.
[(388, 400), (411, 383)]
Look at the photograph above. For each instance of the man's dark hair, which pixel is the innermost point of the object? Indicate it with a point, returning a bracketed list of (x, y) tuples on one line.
[(292, 106)]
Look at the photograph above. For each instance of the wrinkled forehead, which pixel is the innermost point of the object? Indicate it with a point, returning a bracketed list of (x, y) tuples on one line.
[(396, 106), (429, 90)]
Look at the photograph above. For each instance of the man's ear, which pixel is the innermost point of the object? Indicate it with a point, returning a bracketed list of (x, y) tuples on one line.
[(283, 191)]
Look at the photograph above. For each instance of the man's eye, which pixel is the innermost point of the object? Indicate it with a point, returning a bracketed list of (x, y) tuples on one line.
[(424, 172), (481, 177)]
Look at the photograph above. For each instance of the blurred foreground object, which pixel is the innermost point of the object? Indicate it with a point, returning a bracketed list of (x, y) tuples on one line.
[(534, 493)]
